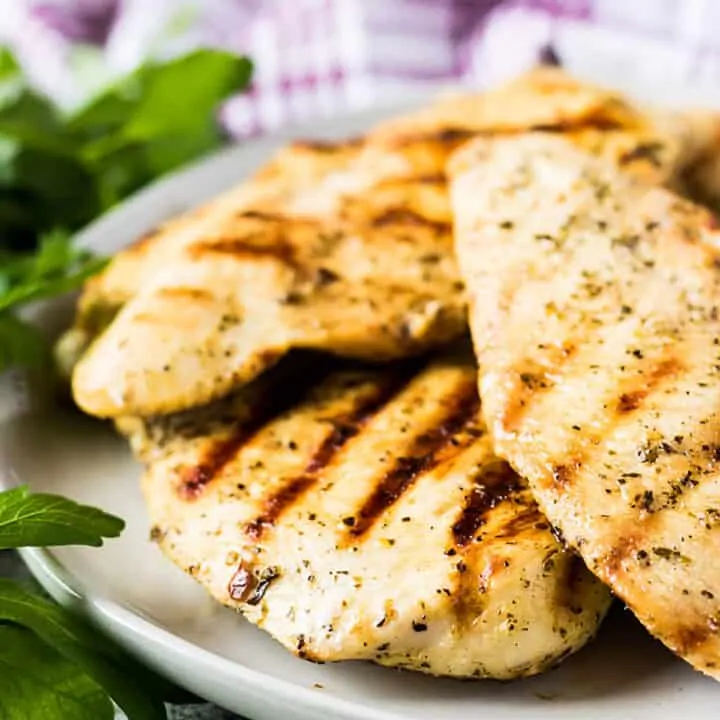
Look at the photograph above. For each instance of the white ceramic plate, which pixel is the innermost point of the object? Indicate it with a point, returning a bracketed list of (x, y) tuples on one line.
[(133, 594)]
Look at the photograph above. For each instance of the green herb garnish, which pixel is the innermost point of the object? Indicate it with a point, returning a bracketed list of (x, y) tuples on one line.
[(59, 171), (51, 661)]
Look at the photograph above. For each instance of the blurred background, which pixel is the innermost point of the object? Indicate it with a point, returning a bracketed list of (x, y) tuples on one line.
[(319, 57)]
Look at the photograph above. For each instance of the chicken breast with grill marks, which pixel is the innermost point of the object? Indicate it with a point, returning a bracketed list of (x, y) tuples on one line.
[(304, 174), (660, 145), (358, 263), (262, 284), (361, 514), (594, 311), (293, 170)]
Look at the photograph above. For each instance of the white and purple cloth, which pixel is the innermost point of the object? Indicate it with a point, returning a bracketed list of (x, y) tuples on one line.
[(317, 58)]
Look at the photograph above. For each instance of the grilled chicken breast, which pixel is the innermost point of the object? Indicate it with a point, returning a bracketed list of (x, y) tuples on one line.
[(361, 514), (238, 299), (594, 311), (294, 170), (357, 262)]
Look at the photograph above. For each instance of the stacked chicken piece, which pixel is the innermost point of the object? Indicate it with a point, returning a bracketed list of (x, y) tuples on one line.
[(291, 365)]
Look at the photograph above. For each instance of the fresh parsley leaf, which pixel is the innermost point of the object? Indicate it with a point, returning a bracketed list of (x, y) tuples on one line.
[(156, 119), (162, 97), (43, 520), (117, 674), (56, 268), (33, 121), (20, 344), (38, 682), (42, 179), (40, 191), (9, 68), (61, 171)]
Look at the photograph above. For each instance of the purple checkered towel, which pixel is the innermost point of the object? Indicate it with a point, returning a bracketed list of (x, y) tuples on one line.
[(321, 57)]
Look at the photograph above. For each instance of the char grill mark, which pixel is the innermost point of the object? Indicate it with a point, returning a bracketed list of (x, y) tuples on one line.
[(262, 216), (563, 474), (493, 486), (403, 216), (624, 549), (275, 401), (438, 179), (140, 245), (449, 137), (325, 146), (277, 504), (189, 293), (196, 478), (564, 126), (532, 386), (633, 399), (240, 249), (536, 378), (690, 638), (425, 453), (344, 429)]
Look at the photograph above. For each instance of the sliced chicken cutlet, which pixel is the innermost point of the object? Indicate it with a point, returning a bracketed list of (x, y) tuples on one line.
[(359, 264), (362, 515), (594, 312)]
